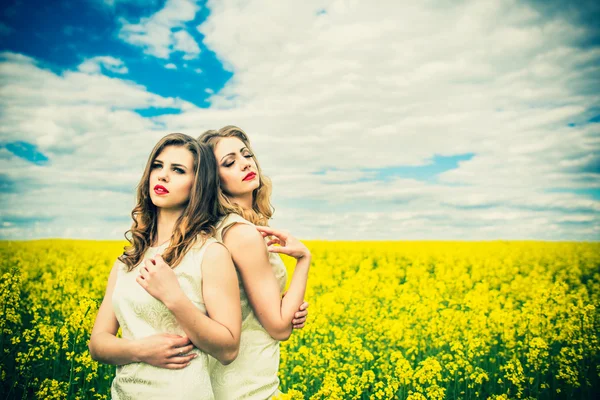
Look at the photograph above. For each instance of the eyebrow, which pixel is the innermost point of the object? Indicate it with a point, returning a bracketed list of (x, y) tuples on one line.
[(173, 164), (231, 154)]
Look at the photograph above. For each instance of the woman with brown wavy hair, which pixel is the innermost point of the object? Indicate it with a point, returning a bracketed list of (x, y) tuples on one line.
[(172, 275), (267, 318)]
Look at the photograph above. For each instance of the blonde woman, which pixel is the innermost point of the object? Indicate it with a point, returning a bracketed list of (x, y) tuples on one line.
[(267, 318), (163, 286)]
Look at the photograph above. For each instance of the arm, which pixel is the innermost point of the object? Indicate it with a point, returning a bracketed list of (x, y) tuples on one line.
[(158, 350), (219, 333), (250, 255)]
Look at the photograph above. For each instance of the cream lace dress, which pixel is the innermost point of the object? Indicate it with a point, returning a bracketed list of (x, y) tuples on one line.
[(253, 374), (141, 315)]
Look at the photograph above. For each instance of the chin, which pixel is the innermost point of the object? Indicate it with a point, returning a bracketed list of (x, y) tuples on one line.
[(158, 202), (255, 184)]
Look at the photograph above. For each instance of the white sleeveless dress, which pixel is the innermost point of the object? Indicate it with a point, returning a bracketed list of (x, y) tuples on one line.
[(253, 374), (141, 315)]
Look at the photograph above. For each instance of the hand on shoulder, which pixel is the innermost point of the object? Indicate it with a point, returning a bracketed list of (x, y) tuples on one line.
[(288, 244)]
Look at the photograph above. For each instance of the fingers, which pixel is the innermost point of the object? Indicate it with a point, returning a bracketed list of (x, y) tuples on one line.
[(277, 249), (275, 241), (176, 366), (300, 316), (304, 305), (297, 321), (181, 351), (144, 273), (142, 282), (300, 326), (181, 341), (273, 232), (182, 359), (148, 266)]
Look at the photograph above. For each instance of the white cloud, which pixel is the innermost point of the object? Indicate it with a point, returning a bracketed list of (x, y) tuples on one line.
[(163, 33), (170, 66), (94, 65), (326, 98), (185, 43), (96, 145)]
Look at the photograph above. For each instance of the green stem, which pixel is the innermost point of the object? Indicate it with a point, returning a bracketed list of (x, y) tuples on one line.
[(73, 351)]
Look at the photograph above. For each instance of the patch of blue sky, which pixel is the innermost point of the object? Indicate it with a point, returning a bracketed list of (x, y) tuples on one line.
[(16, 220), (7, 185), (590, 116), (484, 206), (26, 151), (593, 193), (427, 173), (157, 111), (63, 34)]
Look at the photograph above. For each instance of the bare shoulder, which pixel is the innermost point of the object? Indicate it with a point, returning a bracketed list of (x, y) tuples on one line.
[(216, 251), (243, 235), (117, 265)]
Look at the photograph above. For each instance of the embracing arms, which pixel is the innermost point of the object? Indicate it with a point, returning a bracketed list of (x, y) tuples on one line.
[(159, 350), (251, 257), (217, 334)]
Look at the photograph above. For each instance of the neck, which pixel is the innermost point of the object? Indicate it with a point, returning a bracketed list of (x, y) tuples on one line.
[(165, 224), (244, 201)]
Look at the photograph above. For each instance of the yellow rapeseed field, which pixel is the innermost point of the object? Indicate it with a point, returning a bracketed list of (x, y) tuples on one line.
[(416, 320)]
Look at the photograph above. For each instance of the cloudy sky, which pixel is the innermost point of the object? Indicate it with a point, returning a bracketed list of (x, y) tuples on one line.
[(466, 120)]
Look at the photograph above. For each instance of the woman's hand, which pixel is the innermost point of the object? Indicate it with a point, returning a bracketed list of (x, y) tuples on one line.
[(165, 351), (288, 244), (300, 316), (158, 278)]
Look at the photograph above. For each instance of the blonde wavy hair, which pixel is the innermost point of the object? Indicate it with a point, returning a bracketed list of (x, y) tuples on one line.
[(262, 210), (199, 216)]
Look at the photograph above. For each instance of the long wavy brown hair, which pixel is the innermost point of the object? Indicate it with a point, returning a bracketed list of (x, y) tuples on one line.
[(198, 220), (262, 210)]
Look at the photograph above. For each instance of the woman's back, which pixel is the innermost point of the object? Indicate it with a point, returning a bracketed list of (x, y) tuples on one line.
[(141, 315), (253, 375)]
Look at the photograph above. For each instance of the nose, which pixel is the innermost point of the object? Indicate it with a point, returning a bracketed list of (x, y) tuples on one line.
[(163, 175), (245, 164)]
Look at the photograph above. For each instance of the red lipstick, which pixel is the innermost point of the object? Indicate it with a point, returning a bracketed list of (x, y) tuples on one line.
[(159, 189), (250, 176)]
